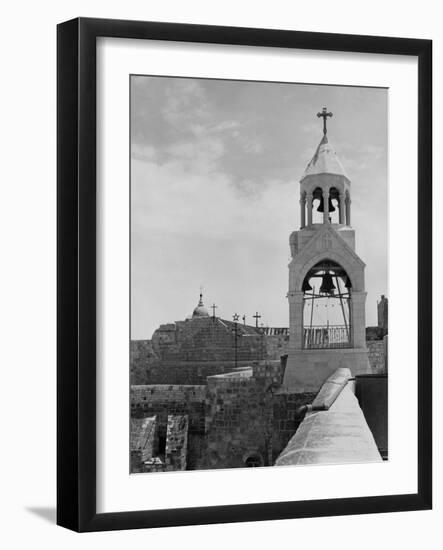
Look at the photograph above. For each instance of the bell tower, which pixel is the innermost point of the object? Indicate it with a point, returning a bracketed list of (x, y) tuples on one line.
[(326, 278)]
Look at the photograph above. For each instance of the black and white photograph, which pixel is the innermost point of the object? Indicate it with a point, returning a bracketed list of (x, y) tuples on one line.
[(221, 269), (258, 274)]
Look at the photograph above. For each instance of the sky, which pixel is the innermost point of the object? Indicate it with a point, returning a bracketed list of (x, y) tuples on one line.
[(215, 170)]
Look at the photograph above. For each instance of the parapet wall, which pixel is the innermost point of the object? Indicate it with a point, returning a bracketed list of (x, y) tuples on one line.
[(335, 431)]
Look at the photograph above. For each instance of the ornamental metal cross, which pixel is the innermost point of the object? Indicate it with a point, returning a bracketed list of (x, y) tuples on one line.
[(324, 114), (256, 317), (213, 307)]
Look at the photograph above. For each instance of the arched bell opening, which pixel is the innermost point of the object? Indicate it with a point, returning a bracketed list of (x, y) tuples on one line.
[(317, 205), (334, 205), (327, 296)]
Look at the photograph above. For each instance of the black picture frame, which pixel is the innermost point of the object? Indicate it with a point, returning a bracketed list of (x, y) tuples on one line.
[(76, 265)]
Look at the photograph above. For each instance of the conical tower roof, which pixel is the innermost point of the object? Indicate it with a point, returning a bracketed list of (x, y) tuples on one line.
[(324, 161)]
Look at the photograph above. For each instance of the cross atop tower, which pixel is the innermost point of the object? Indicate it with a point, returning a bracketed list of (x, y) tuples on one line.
[(256, 317), (213, 307), (324, 114)]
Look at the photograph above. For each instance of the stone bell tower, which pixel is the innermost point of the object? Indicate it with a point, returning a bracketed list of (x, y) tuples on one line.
[(326, 278)]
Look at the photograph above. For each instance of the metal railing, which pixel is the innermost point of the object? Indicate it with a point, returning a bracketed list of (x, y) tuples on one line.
[(321, 337)]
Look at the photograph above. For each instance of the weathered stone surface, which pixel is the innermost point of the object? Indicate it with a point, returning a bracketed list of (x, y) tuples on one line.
[(164, 400), (142, 441), (285, 417), (176, 443), (208, 339), (187, 372), (377, 356), (141, 355), (337, 436), (332, 388)]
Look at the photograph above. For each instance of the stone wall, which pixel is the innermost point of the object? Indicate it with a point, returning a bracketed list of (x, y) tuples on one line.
[(187, 352), (176, 443), (147, 452), (377, 357), (164, 400), (239, 418), (246, 423), (141, 355), (147, 369), (143, 440), (208, 339), (277, 345), (238, 421), (285, 418), (187, 372)]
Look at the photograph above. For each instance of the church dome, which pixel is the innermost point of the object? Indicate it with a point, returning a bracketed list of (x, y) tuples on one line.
[(324, 161), (200, 310)]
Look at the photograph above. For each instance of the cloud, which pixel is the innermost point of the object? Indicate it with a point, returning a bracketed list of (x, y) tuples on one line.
[(226, 125), (143, 152), (197, 155), (205, 203), (215, 171), (197, 228), (250, 144), (185, 103)]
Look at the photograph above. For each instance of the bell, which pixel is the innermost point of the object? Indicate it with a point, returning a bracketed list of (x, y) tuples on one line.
[(321, 206), (327, 285), (306, 287)]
